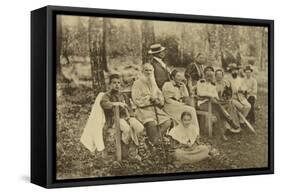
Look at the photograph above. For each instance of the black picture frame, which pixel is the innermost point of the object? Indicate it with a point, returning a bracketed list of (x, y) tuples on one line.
[(43, 95)]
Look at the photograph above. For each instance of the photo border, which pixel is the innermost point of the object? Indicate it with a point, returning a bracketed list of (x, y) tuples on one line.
[(53, 11)]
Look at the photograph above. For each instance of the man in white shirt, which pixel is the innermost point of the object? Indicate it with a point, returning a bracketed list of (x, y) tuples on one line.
[(237, 84), (250, 86)]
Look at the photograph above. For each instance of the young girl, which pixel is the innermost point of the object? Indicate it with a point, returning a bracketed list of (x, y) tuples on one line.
[(184, 141)]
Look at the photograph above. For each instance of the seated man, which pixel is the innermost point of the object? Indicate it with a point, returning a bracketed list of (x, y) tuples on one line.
[(250, 87), (225, 95), (129, 126), (238, 99), (206, 91), (149, 102)]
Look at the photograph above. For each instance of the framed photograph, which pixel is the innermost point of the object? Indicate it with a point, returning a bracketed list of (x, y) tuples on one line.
[(125, 96)]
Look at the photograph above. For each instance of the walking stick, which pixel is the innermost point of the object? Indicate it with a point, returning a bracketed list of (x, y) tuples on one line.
[(246, 121)]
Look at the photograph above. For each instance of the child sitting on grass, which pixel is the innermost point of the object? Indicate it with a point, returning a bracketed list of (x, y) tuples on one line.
[(184, 142)]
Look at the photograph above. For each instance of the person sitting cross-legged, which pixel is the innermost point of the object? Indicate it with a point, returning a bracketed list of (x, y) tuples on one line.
[(184, 144), (129, 125)]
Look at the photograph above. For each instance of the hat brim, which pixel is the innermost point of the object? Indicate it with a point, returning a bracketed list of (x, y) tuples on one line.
[(153, 52)]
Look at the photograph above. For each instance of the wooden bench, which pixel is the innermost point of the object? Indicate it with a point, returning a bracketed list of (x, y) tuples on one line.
[(118, 133), (117, 127), (208, 117)]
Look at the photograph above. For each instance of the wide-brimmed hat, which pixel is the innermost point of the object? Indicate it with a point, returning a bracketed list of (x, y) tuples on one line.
[(156, 48), (248, 68)]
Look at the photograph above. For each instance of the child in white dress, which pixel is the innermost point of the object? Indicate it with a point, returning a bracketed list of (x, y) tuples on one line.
[(184, 141)]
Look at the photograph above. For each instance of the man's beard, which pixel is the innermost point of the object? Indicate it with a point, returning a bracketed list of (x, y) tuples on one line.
[(151, 81), (234, 75), (149, 78)]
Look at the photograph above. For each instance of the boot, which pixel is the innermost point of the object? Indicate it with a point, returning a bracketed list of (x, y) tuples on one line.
[(232, 124)]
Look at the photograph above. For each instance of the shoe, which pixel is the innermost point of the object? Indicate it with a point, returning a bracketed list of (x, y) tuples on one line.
[(233, 125), (224, 138), (238, 130), (243, 125)]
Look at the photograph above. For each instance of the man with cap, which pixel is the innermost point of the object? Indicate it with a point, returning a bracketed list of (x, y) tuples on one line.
[(206, 91), (250, 86), (161, 71), (238, 90), (195, 69)]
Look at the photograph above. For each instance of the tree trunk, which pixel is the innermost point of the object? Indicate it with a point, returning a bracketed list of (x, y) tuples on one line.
[(182, 44), (135, 45), (104, 44), (262, 49), (148, 38), (97, 50)]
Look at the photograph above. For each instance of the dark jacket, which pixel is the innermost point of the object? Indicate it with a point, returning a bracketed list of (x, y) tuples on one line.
[(106, 104), (195, 71), (161, 74)]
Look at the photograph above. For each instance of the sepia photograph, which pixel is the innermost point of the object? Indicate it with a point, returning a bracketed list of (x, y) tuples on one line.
[(152, 97)]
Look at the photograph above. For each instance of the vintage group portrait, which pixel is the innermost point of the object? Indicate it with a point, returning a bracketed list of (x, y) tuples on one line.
[(149, 97)]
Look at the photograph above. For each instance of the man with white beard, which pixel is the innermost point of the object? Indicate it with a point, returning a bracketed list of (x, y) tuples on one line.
[(149, 101)]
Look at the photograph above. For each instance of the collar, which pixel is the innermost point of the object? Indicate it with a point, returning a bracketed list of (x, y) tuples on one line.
[(174, 84), (160, 61), (202, 80), (157, 58), (210, 82)]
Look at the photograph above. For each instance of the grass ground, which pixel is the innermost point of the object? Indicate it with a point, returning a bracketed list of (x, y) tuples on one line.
[(244, 150)]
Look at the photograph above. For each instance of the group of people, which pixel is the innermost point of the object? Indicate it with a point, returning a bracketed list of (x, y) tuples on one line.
[(165, 103)]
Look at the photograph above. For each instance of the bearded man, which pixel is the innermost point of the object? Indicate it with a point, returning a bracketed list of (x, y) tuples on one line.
[(149, 101), (237, 85)]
